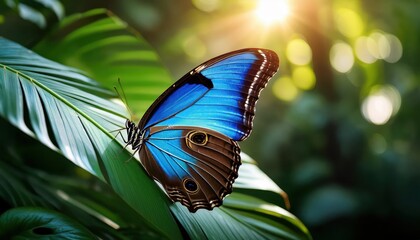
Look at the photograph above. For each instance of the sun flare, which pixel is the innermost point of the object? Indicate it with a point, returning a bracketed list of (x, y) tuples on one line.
[(272, 11)]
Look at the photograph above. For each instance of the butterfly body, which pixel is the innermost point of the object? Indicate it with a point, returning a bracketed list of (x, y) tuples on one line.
[(187, 139)]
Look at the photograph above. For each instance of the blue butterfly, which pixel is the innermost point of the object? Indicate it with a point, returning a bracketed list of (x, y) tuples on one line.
[(187, 139)]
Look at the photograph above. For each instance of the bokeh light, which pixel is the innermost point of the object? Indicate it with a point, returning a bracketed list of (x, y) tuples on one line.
[(396, 49), (377, 143), (348, 22), (362, 52), (272, 11), (378, 45), (206, 5), (303, 77), (377, 109), (194, 47), (381, 104), (298, 52), (341, 57), (284, 89)]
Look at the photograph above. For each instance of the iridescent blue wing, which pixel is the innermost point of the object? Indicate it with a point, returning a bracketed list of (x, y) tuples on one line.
[(219, 95)]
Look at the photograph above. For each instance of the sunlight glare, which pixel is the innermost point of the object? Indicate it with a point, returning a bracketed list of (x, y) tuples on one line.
[(272, 11)]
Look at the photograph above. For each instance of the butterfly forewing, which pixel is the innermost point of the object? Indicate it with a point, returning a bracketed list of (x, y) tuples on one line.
[(220, 94)]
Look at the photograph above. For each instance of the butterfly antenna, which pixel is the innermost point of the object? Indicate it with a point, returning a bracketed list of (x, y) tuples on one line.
[(123, 97), (117, 130)]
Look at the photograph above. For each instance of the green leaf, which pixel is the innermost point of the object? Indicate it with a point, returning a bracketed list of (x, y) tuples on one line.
[(39, 223), (107, 49), (32, 15), (33, 11), (100, 210), (241, 217), (265, 217), (73, 115), (53, 5), (30, 82), (254, 182), (13, 191)]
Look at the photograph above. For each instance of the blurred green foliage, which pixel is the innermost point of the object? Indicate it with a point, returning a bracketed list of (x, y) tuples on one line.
[(337, 129)]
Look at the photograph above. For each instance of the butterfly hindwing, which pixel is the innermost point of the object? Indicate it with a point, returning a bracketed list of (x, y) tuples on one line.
[(196, 166)]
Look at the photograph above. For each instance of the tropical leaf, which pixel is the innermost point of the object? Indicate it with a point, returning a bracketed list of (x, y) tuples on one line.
[(103, 46), (13, 191), (40, 223), (252, 181), (99, 209), (71, 114), (34, 10), (241, 217)]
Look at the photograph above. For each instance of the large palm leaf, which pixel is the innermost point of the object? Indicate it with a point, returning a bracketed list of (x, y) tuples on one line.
[(71, 114)]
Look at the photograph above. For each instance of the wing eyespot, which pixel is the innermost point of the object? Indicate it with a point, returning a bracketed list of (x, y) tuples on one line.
[(197, 137), (190, 185)]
